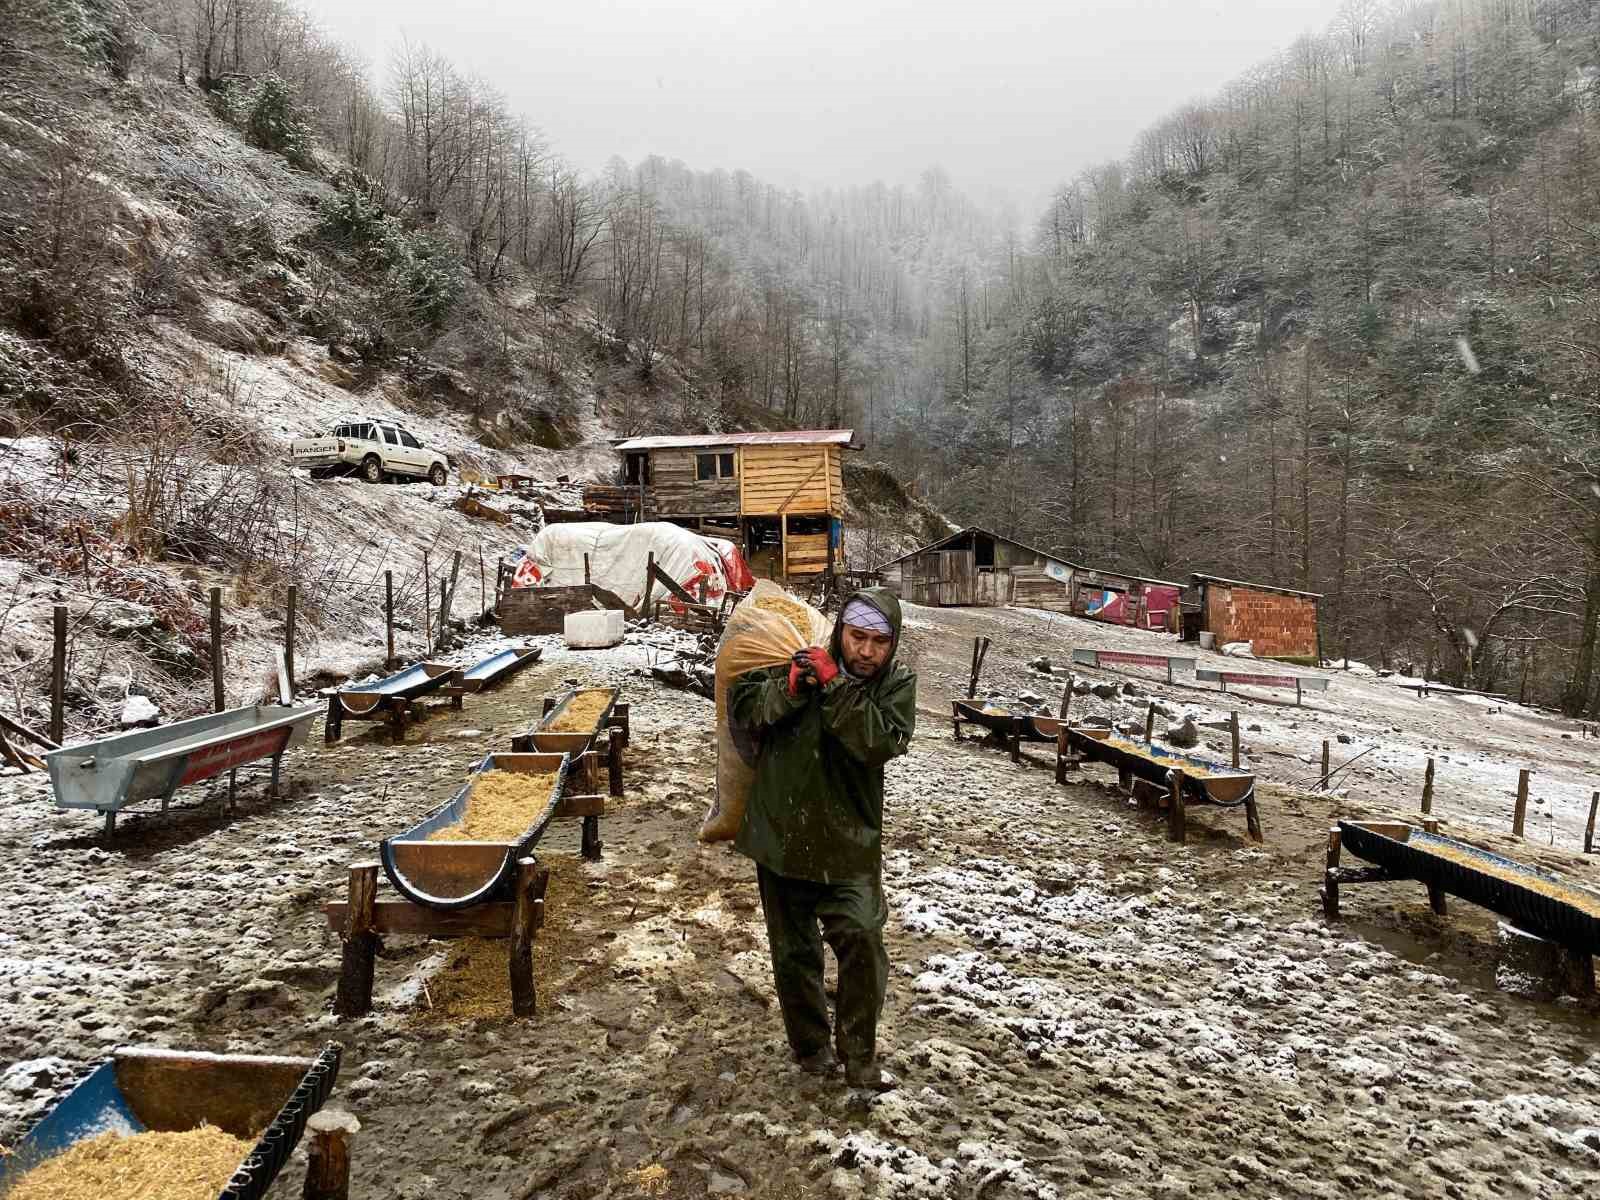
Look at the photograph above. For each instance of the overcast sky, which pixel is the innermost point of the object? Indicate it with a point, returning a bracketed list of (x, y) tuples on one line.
[(1010, 96)]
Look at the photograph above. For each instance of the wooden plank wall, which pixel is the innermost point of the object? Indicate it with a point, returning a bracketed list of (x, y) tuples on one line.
[(799, 480), (1032, 588), (541, 610), (676, 492), (808, 554)]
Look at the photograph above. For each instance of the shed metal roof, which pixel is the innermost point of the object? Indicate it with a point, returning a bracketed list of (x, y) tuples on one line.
[(780, 437), (1260, 587), (960, 533)]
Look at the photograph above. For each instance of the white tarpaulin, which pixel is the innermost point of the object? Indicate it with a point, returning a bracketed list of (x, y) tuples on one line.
[(619, 559)]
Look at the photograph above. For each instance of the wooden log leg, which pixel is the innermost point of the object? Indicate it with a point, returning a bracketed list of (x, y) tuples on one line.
[(1061, 756), (1436, 900), (333, 729), (527, 916), (1577, 973), (1177, 818), (1124, 779), (1016, 747), (590, 848), (1330, 877), (109, 828), (1252, 818), (328, 1157), (614, 762), (277, 773), (354, 997)]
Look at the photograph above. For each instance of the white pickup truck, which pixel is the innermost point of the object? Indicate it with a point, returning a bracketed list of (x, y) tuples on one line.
[(377, 449)]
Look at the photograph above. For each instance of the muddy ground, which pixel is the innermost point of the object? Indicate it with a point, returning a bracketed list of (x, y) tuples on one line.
[(1076, 1006)]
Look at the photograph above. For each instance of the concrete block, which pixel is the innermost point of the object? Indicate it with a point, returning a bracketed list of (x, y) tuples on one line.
[(593, 630)]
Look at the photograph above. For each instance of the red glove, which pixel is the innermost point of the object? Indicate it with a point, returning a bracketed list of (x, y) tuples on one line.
[(823, 668), (799, 669)]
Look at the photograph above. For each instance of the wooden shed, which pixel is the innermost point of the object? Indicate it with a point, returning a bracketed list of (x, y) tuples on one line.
[(1279, 622), (779, 495), (977, 567)]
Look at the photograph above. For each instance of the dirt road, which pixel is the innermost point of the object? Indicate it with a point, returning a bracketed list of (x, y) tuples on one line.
[(1077, 1006)]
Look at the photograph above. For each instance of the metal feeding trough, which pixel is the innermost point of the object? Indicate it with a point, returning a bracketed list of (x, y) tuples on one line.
[(1531, 899), (552, 741), (386, 699), (499, 666), (1203, 780), (112, 773), (459, 874), (140, 1089), (1009, 725)]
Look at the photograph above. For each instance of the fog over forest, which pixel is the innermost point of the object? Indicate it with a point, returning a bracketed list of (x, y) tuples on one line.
[(1009, 97)]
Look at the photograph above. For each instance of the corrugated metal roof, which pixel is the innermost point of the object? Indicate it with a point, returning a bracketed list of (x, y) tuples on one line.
[(1260, 587), (989, 533), (781, 437)]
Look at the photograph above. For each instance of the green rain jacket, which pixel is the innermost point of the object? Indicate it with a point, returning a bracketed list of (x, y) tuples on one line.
[(816, 809)]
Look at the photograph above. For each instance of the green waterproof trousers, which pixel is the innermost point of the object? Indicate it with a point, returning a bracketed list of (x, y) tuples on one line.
[(851, 915)]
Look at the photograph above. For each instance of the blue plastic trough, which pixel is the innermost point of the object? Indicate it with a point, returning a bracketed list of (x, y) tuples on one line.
[(112, 773), (140, 1089), (459, 874), (498, 667), (386, 699)]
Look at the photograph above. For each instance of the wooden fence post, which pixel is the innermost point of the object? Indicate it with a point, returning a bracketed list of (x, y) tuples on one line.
[(1325, 761), (354, 997), (427, 603), (483, 594), (58, 677), (288, 634), (1519, 817), (1233, 732), (1150, 723), (218, 695), (1588, 833), (388, 617), (328, 1158), (649, 584), (1427, 789)]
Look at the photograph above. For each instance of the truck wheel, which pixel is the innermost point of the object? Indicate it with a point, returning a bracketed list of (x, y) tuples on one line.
[(372, 469), (436, 476)]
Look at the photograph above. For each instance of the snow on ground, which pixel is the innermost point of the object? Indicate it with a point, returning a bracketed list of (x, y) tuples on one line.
[(1077, 1006), (1480, 745)]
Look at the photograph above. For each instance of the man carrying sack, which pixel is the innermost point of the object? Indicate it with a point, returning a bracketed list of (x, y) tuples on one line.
[(826, 724)]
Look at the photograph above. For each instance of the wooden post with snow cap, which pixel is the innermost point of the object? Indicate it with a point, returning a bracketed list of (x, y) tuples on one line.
[(1233, 734), (58, 676), (1519, 816), (1588, 833), (1427, 789), (328, 1158), (1177, 819)]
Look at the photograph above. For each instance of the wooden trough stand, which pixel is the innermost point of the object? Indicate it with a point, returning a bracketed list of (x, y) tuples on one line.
[(1300, 683), (1100, 659), (390, 699), (613, 722), (1171, 779), (453, 889), (1535, 901)]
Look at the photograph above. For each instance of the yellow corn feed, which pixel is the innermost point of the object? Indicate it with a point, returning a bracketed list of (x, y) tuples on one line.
[(500, 807), (195, 1165)]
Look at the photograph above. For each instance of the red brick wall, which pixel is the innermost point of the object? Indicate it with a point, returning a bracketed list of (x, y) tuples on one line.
[(1276, 624)]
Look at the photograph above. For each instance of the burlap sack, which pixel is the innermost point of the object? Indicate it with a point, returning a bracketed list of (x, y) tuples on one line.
[(754, 637)]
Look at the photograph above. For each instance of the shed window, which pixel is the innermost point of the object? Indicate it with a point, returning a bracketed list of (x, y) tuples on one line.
[(713, 466)]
